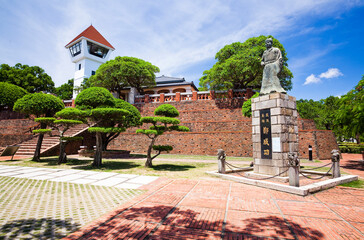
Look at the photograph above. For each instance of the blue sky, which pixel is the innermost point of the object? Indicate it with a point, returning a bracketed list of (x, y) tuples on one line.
[(324, 39)]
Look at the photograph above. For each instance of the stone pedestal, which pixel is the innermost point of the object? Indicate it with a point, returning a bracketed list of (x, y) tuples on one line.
[(275, 132)]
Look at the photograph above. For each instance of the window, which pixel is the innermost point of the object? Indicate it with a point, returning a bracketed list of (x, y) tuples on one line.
[(93, 73), (79, 66), (75, 49), (96, 50)]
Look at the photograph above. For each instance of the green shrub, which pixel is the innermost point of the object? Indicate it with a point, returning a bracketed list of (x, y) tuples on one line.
[(133, 119), (351, 148), (45, 119), (73, 113), (9, 93), (109, 113), (106, 130), (167, 120), (246, 109), (94, 97), (166, 110), (71, 138), (67, 121), (39, 104), (42, 131), (147, 120), (179, 128)]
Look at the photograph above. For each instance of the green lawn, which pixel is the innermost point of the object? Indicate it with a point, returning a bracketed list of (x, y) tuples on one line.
[(354, 184), (171, 169)]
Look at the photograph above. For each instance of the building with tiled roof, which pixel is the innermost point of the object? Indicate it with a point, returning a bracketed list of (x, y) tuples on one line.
[(88, 51)]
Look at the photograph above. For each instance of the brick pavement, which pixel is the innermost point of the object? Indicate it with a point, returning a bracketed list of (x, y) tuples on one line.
[(353, 163), (217, 209)]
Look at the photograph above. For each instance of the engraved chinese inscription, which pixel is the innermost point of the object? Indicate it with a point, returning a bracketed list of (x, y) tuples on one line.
[(265, 134)]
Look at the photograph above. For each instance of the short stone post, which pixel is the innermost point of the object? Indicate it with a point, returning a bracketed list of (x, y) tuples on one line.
[(146, 98), (221, 156), (293, 170), (335, 158)]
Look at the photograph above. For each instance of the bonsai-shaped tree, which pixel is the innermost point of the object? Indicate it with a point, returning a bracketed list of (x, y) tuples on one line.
[(164, 121), (131, 120), (40, 105), (102, 115), (68, 118), (9, 93)]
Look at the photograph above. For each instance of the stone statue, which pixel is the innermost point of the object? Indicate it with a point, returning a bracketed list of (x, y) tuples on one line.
[(272, 62)]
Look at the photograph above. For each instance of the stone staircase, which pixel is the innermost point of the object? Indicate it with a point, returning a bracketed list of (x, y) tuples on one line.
[(27, 148)]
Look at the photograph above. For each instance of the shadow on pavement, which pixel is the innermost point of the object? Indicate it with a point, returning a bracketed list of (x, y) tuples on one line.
[(43, 228), (171, 167), (186, 223)]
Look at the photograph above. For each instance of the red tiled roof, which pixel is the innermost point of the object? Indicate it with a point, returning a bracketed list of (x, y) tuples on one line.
[(93, 34)]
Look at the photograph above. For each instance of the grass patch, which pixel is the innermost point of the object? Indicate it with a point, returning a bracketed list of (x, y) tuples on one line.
[(202, 157), (162, 168), (354, 184)]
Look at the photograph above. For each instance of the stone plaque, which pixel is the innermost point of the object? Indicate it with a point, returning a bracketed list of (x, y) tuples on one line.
[(265, 134)]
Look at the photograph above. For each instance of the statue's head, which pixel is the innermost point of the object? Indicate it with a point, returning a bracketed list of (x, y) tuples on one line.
[(269, 42)]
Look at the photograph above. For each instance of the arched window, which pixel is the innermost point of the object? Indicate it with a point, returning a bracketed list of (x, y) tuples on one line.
[(163, 91), (150, 92), (179, 90)]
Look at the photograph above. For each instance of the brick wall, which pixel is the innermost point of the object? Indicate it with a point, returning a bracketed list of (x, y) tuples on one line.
[(216, 124), (14, 131)]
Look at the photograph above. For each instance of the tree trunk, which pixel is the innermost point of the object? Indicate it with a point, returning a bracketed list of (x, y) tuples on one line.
[(62, 154), (36, 156), (98, 154), (148, 163), (104, 141), (357, 137)]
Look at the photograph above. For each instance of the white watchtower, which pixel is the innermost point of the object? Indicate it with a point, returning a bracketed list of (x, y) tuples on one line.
[(88, 51)]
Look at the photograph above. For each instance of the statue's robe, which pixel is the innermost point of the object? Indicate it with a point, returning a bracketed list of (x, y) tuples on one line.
[(273, 62)]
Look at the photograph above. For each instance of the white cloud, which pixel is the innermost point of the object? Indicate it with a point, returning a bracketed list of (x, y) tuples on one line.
[(312, 79), (331, 73)]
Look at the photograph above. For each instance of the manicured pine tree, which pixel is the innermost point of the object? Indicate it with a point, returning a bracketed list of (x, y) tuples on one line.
[(67, 118), (39, 105), (103, 116), (164, 121)]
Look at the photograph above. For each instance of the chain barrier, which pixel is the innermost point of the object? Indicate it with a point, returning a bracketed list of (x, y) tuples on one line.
[(228, 164), (306, 176), (235, 166), (326, 174), (318, 167)]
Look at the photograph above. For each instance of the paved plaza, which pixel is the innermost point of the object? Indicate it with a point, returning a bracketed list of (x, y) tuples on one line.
[(44, 203), (189, 209)]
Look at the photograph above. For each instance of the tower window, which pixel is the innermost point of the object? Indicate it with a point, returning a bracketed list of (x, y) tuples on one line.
[(96, 50), (79, 66), (93, 73), (75, 49)]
